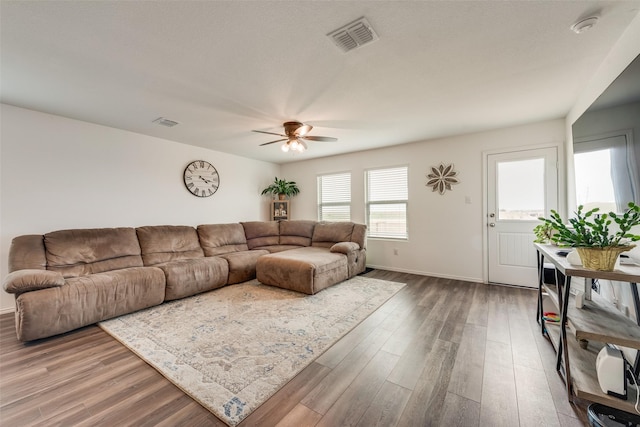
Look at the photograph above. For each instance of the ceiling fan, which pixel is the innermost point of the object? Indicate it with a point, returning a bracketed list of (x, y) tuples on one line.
[(295, 135)]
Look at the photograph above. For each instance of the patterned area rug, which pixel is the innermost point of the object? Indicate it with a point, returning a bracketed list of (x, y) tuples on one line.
[(233, 348)]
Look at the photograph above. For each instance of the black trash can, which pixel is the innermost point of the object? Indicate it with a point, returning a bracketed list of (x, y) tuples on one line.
[(604, 416), (549, 275)]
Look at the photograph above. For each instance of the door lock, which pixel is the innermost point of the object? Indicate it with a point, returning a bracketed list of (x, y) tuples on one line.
[(492, 215), (492, 224)]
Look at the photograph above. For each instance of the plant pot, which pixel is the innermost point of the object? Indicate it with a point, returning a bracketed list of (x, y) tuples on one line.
[(282, 196), (601, 259)]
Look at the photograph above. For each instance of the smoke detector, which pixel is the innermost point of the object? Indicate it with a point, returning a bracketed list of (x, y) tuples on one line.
[(353, 35), (165, 122), (584, 25)]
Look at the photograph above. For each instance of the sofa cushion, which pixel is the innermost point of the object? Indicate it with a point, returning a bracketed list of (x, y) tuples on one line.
[(306, 270), (359, 235), (261, 233), (297, 233), (218, 239), (85, 300), (344, 247), (326, 234), (279, 248), (192, 276), (81, 252), (165, 243), (31, 280), (242, 265), (27, 252)]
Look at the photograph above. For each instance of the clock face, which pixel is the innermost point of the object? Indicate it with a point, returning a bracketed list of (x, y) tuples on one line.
[(201, 178)]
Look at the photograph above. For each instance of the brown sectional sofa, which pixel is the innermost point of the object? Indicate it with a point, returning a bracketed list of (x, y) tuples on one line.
[(67, 279)]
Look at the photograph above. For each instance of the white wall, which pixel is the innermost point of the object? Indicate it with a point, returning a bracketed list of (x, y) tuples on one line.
[(58, 173), (621, 55), (445, 233)]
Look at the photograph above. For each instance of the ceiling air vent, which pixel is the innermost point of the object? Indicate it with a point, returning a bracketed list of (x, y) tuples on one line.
[(353, 35), (165, 122)]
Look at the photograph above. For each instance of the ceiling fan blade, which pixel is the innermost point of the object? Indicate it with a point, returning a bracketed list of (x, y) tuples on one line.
[(268, 133), (303, 130), (273, 142), (304, 144), (320, 138)]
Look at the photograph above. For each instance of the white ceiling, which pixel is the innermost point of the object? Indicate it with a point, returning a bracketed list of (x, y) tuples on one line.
[(223, 68)]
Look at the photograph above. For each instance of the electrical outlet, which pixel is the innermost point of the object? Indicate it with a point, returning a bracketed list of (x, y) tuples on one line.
[(395, 251), (625, 310)]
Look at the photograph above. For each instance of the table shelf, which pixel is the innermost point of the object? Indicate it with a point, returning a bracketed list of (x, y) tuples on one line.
[(594, 325), (598, 320), (583, 373)]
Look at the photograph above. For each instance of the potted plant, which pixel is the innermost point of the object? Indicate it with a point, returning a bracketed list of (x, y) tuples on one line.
[(282, 188), (589, 233), (544, 232)]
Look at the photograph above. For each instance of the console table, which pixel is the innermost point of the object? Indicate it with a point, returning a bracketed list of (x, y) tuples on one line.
[(592, 326)]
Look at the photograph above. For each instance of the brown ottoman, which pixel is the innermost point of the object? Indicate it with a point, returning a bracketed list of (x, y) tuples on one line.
[(307, 270)]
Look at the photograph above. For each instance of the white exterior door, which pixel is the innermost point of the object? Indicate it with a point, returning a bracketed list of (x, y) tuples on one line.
[(522, 186)]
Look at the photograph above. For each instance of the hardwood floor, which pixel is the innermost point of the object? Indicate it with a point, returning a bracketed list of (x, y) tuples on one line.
[(440, 352)]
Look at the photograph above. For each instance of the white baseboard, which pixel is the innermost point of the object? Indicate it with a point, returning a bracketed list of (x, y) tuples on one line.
[(427, 273)]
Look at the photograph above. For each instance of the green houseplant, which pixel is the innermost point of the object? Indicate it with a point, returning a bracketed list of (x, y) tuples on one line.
[(592, 235), (282, 188), (544, 232)]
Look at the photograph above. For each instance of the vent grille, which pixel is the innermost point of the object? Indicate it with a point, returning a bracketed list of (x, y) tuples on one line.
[(165, 122), (353, 35)]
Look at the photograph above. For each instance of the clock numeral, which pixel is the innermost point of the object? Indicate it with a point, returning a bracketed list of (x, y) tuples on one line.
[(197, 191), (189, 177), (201, 164), (190, 185)]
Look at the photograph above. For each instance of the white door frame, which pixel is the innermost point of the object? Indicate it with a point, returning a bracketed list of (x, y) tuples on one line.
[(562, 194)]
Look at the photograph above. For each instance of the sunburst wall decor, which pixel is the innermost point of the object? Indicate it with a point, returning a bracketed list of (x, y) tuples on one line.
[(442, 178)]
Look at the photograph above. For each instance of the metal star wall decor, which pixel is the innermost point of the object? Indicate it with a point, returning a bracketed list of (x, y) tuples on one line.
[(442, 178)]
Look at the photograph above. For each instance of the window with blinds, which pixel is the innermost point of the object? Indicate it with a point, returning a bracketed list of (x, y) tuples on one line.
[(387, 197), (334, 197)]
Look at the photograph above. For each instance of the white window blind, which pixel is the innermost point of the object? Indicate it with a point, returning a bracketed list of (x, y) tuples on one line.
[(387, 197), (334, 197)]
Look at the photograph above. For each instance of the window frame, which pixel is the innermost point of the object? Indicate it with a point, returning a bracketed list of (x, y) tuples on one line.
[(404, 202)]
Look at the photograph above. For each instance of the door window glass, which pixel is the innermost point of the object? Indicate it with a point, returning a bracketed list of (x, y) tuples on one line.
[(521, 189)]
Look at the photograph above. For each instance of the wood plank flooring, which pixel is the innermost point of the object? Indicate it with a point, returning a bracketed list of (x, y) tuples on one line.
[(440, 352)]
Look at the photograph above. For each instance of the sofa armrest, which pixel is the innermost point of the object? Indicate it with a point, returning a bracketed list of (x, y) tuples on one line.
[(27, 280), (345, 247)]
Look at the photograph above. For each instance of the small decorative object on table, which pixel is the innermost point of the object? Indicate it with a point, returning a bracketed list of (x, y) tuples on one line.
[(589, 233)]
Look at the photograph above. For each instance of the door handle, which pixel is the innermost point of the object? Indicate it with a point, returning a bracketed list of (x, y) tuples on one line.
[(492, 224)]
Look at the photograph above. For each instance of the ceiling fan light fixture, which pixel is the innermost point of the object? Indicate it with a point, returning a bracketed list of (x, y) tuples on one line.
[(295, 137)]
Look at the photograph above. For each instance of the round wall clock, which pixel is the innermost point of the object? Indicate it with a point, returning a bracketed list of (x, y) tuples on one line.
[(201, 178)]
